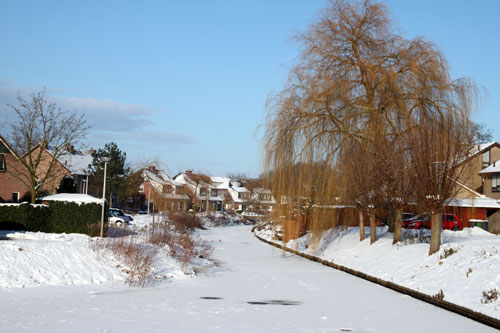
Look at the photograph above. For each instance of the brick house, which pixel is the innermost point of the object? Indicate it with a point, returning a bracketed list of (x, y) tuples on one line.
[(236, 196), (157, 185), (71, 163), (202, 194), (12, 189), (477, 198)]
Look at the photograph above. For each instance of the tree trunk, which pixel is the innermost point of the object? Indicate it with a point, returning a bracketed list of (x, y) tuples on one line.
[(391, 219), (435, 233), (398, 222), (153, 222), (373, 230), (361, 226), (33, 194)]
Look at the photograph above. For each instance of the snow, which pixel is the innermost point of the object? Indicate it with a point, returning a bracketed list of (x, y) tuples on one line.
[(22, 203), (255, 288), (481, 147), (475, 202), (462, 276), (495, 167), (78, 163), (38, 259), (72, 197)]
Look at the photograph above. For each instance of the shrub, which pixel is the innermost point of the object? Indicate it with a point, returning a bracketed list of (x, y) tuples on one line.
[(490, 296), (439, 295), (25, 216), (138, 252), (58, 217), (71, 217), (447, 253), (184, 221)]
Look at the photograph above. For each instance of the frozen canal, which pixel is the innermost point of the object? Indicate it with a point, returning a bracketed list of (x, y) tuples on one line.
[(257, 288)]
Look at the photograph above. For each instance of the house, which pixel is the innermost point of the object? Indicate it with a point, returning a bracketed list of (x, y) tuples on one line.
[(491, 180), (79, 164), (236, 196), (70, 163), (198, 187), (157, 185), (12, 188), (480, 157), (477, 199)]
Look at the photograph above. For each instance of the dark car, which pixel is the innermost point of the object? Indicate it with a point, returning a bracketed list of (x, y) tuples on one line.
[(423, 221)]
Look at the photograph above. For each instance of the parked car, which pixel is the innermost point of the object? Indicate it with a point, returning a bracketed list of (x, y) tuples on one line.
[(423, 221), (116, 215)]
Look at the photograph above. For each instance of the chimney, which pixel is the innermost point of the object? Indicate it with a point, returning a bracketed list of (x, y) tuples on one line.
[(152, 168)]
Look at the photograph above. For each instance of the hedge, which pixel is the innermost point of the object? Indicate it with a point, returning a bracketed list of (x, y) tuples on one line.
[(58, 217)]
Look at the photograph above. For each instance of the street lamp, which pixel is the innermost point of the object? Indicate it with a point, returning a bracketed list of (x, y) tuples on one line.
[(105, 160)]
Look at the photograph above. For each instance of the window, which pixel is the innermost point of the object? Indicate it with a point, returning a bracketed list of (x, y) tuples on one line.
[(486, 159), (213, 193), (179, 190), (3, 164), (15, 196), (167, 189), (141, 188), (495, 183)]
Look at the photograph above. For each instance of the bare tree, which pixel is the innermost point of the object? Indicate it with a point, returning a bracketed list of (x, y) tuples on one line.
[(42, 127)]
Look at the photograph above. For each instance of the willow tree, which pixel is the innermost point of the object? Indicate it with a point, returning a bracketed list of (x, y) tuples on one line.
[(357, 83)]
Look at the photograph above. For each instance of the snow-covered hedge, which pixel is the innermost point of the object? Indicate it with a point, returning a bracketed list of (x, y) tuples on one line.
[(58, 217)]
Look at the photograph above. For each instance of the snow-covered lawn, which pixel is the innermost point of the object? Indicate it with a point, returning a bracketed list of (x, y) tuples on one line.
[(467, 265), (255, 288), (38, 259)]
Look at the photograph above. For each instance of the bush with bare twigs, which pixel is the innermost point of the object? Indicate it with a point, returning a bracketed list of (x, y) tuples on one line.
[(184, 221), (139, 253)]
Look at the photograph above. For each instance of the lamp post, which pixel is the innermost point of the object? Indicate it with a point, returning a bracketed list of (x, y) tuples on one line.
[(105, 160)]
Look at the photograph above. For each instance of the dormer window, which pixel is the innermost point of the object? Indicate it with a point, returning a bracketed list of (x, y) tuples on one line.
[(486, 159), (167, 189)]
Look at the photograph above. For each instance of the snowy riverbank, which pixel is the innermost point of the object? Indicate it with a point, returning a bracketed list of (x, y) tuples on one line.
[(463, 274)]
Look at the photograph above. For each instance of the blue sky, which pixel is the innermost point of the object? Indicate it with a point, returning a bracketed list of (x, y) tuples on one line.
[(186, 81)]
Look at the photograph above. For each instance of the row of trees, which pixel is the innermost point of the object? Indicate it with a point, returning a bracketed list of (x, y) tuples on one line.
[(368, 118)]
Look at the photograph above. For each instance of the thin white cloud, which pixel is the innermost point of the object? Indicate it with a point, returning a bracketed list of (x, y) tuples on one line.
[(108, 115), (110, 120)]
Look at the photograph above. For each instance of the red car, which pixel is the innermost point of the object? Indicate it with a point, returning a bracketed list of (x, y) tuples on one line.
[(423, 221)]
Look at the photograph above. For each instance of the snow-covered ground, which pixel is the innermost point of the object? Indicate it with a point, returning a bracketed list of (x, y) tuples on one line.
[(467, 265), (30, 259), (255, 288)]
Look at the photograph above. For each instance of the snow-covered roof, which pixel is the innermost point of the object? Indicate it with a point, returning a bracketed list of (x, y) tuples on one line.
[(475, 202), (495, 167), (482, 146), (221, 183), (72, 197), (159, 177), (78, 163)]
